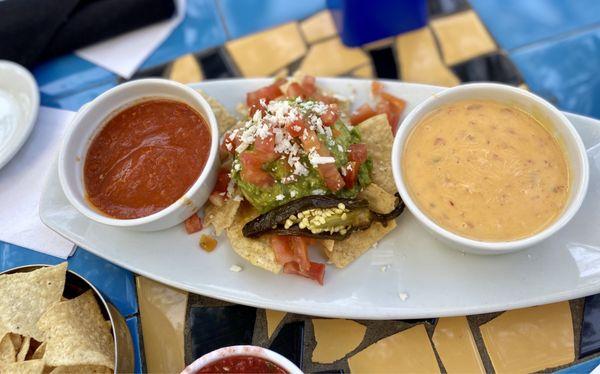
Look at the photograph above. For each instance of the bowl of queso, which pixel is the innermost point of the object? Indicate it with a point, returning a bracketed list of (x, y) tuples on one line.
[(490, 168), (242, 359), (141, 155)]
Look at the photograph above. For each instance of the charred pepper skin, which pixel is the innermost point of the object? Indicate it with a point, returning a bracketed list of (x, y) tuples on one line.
[(277, 221)]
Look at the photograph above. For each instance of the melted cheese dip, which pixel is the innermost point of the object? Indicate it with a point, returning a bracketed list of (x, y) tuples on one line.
[(486, 171)]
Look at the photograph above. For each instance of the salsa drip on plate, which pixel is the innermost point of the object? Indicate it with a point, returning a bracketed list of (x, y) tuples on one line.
[(299, 168)]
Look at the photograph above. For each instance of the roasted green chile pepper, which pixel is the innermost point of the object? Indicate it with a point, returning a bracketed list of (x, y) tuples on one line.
[(323, 217)]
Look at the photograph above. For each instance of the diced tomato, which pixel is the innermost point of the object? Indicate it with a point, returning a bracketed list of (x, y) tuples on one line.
[(358, 153), (376, 88), (295, 90), (331, 115), (308, 85), (217, 198), (316, 271), (396, 101), (266, 145), (229, 145), (268, 93), (296, 128), (324, 98), (328, 172), (391, 111), (362, 113), (291, 249), (252, 172), (351, 174), (193, 224), (222, 180)]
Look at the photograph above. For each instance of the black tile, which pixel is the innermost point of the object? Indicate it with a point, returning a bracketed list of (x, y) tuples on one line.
[(339, 371), (590, 327), (496, 67), (153, 72), (216, 327), (214, 65), (290, 342), (384, 62), (430, 321), (444, 7)]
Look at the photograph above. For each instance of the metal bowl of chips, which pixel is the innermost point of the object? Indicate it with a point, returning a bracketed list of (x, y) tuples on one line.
[(76, 286)]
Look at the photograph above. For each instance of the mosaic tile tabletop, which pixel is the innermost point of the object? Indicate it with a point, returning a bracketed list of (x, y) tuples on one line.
[(551, 47)]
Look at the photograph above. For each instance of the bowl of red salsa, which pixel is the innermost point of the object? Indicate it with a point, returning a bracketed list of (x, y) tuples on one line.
[(142, 155), (242, 359)]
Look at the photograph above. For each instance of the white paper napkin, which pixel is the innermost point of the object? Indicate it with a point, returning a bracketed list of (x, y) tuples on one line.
[(125, 53), (21, 182)]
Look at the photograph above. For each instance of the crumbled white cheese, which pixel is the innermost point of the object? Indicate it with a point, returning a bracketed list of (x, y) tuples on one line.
[(280, 197), (293, 193), (236, 268), (318, 192)]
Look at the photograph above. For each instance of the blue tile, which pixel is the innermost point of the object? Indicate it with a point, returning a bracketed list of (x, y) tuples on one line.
[(133, 324), (69, 74), (200, 29), (77, 99), (12, 256), (590, 327), (582, 367), (565, 71), (115, 283), (515, 23), (244, 17)]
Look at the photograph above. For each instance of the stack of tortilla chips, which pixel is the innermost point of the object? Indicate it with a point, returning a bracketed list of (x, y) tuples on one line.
[(41, 332)]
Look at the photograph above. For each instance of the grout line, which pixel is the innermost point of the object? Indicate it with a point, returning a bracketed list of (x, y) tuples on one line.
[(222, 19), (559, 37)]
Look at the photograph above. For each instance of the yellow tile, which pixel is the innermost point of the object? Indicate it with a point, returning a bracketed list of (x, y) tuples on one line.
[(274, 318), (318, 26), (530, 339), (186, 70), (420, 60), (408, 351), (331, 57), (363, 72), (282, 73), (264, 53), (456, 347), (162, 313), (381, 43), (462, 36), (335, 339)]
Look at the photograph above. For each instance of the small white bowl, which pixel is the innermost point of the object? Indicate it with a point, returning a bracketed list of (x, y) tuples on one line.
[(242, 350), (19, 103), (528, 102), (89, 121)]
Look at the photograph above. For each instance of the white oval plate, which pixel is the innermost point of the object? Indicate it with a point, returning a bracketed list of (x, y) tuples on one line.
[(423, 278), (19, 104)]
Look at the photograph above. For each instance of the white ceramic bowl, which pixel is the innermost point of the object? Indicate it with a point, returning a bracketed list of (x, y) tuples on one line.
[(528, 102), (242, 350), (19, 103), (89, 121)]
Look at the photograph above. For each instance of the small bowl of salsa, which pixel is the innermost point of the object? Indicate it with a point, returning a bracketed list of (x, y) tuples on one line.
[(142, 155), (242, 359)]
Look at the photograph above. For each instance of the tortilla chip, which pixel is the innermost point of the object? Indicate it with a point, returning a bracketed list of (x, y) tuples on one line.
[(39, 351), (347, 250), (224, 119), (379, 200), (257, 251), (24, 367), (221, 217), (326, 244), (376, 133), (76, 334), (24, 349), (81, 369), (24, 297), (8, 353)]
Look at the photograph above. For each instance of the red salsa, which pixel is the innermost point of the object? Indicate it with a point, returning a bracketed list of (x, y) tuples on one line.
[(242, 364), (145, 158)]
